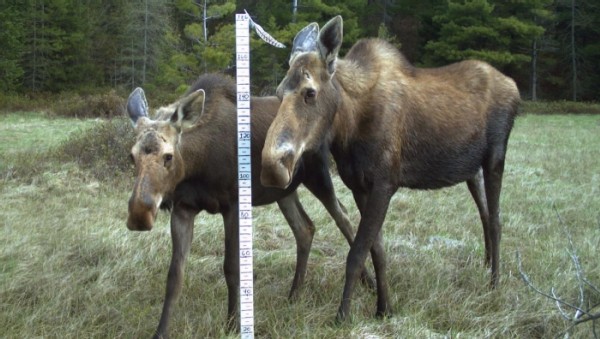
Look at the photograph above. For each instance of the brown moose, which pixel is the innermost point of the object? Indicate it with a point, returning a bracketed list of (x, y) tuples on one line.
[(186, 161), (390, 125)]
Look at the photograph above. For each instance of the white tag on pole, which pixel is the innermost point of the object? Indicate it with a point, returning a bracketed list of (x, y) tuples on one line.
[(263, 34), (243, 23)]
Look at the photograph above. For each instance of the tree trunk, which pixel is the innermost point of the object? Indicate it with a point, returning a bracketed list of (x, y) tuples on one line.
[(534, 54), (132, 65), (145, 43), (573, 55), (294, 10), (35, 50), (204, 19)]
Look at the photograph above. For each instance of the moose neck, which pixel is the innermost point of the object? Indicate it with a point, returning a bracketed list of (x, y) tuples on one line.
[(352, 82), (208, 148), (191, 148)]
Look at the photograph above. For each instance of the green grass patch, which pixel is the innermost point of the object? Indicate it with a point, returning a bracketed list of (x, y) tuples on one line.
[(35, 132), (33, 144), (28, 141), (560, 107), (70, 268)]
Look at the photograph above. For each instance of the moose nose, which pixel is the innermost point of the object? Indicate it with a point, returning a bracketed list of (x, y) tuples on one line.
[(141, 214), (277, 167), (140, 223)]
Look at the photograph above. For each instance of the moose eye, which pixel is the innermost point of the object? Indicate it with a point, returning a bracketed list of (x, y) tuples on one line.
[(168, 158)]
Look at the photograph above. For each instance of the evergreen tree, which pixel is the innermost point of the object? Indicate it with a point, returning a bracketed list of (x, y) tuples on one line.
[(477, 29), (143, 39), (57, 53), (12, 42), (109, 19), (203, 41), (587, 41), (409, 22), (40, 52), (551, 47), (576, 31)]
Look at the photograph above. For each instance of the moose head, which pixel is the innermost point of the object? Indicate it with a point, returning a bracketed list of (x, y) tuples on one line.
[(159, 166), (309, 101)]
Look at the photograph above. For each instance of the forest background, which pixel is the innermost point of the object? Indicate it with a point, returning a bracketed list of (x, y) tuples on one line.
[(550, 47)]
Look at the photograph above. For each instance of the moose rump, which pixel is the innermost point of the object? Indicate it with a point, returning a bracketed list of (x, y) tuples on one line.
[(388, 125)]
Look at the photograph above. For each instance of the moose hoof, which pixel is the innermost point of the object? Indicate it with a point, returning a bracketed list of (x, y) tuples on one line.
[(383, 314), (368, 281), (231, 326), (341, 317)]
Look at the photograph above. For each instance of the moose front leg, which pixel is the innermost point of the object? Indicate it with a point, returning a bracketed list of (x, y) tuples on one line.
[(492, 174), (231, 265), (182, 229), (367, 238), (319, 183)]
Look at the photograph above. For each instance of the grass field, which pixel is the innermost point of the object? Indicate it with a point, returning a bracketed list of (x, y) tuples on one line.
[(69, 267)]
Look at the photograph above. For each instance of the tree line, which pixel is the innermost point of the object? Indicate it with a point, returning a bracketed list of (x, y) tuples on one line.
[(550, 47)]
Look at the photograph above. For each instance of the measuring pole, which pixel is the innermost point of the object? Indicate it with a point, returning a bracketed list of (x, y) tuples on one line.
[(242, 45), (243, 24)]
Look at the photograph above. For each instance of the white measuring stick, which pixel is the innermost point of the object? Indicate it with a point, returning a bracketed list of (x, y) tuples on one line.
[(243, 23), (242, 45)]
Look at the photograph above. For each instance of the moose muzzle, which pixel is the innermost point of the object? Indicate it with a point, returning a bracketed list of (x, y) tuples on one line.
[(141, 214), (278, 165)]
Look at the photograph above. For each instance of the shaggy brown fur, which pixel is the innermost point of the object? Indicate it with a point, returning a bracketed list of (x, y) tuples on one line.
[(391, 125)]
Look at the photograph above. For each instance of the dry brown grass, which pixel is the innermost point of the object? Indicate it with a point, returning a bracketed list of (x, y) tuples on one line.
[(69, 268)]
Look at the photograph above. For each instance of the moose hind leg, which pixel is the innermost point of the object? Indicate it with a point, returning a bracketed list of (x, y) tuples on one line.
[(304, 231), (493, 170), (379, 261), (182, 228), (322, 188), (231, 265), (477, 189)]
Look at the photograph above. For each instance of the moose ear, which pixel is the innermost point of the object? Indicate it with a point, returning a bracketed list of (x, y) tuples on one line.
[(137, 106), (305, 40), (189, 110), (330, 41)]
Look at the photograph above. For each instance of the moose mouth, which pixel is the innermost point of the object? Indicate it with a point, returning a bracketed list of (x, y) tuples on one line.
[(140, 223), (276, 175), (141, 215), (278, 170)]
